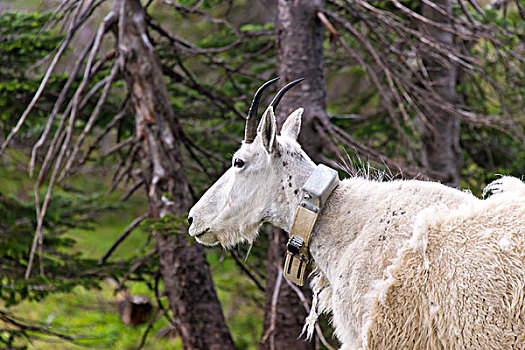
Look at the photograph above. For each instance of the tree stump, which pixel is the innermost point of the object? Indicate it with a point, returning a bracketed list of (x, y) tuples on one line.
[(134, 309)]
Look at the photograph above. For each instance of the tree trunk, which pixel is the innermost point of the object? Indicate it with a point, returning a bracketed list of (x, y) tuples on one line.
[(184, 269), (441, 150), (299, 54), (300, 36)]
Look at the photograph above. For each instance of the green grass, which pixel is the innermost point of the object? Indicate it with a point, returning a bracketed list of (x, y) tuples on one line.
[(242, 302), (92, 315)]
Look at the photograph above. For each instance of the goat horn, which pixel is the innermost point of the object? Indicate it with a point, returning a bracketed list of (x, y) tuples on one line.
[(281, 93), (251, 120)]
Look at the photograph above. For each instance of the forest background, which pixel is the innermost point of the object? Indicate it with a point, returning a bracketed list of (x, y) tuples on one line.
[(116, 115)]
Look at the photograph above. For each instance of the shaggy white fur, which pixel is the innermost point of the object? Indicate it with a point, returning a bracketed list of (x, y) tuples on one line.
[(458, 283), (401, 264), (449, 276), (360, 231)]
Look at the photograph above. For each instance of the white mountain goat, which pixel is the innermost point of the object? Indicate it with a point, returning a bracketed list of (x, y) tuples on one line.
[(403, 264)]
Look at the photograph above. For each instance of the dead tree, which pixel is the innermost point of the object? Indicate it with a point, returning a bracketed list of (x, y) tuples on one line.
[(196, 310), (442, 152), (151, 156), (299, 43)]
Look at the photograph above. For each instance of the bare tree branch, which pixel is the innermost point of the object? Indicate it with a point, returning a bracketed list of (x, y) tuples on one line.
[(133, 225), (270, 332), (246, 271), (91, 121), (41, 88)]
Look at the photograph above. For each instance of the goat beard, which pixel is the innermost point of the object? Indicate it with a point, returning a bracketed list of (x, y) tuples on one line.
[(229, 238)]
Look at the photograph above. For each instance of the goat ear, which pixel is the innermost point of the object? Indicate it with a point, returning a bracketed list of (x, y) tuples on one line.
[(267, 130), (292, 125)]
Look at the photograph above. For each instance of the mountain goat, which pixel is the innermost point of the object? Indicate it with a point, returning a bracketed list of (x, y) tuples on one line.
[(402, 264)]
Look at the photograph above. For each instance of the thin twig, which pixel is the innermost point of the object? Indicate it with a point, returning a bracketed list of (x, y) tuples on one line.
[(39, 92), (24, 328), (123, 236), (270, 332), (327, 24), (117, 118), (130, 140), (138, 263), (153, 320), (91, 121), (170, 320), (247, 271), (132, 190)]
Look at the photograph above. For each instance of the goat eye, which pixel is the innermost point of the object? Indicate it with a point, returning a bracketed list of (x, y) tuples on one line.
[(238, 163)]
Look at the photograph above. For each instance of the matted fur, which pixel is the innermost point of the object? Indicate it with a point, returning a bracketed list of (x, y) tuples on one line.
[(360, 231), (364, 234), (458, 283)]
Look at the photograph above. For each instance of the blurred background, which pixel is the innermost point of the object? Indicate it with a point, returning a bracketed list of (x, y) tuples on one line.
[(116, 115)]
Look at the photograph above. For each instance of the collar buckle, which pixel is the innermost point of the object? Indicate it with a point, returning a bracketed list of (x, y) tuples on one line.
[(315, 192)]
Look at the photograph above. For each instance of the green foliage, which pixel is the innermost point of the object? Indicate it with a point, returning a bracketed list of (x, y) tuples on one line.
[(22, 44), (225, 84), (72, 244), (65, 265), (167, 225), (25, 48), (64, 268), (493, 89), (487, 151), (218, 84), (91, 317)]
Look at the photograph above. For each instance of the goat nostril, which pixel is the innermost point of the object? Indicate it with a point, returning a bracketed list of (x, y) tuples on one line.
[(190, 220)]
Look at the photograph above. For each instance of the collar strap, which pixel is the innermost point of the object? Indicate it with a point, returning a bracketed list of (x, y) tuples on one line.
[(314, 194)]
